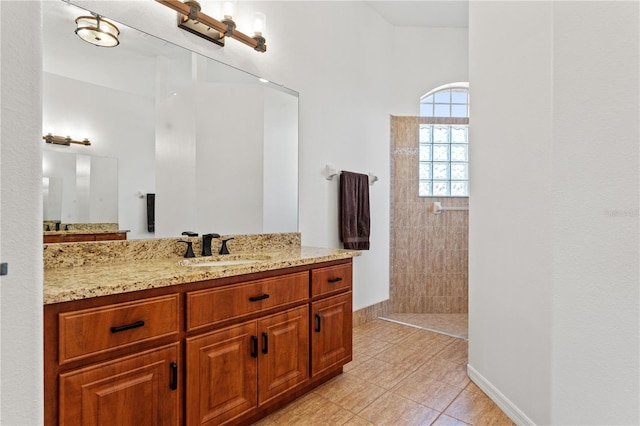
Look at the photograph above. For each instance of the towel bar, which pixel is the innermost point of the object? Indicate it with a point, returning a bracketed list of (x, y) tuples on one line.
[(438, 209), (331, 172)]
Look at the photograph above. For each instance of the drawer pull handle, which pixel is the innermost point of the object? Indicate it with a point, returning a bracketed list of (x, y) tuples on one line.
[(127, 327), (173, 383), (256, 298), (254, 346), (265, 343), (335, 280), (318, 321)]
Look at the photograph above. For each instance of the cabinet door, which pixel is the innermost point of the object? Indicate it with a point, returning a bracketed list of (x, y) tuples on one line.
[(136, 390), (331, 333), (221, 374), (283, 362)]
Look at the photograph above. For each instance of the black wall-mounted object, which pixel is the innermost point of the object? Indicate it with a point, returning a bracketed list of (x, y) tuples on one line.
[(151, 212)]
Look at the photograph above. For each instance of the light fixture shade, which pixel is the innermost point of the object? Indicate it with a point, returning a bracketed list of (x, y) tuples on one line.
[(259, 24), (228, 10), (97, 31)]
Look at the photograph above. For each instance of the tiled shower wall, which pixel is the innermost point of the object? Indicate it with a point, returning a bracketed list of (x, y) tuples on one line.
[(428, 252)]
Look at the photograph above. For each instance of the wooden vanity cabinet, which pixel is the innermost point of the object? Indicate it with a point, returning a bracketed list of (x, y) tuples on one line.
[(233, 371), (75, 237), (223, 351)]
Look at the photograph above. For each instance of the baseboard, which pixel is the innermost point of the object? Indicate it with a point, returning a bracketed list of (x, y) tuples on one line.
[(508, 407)]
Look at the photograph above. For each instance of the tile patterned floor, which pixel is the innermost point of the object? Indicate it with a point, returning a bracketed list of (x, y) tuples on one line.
[(455, 325), (400, 375)]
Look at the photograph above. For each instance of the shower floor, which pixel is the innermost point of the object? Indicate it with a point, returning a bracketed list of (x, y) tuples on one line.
[(454, 325)]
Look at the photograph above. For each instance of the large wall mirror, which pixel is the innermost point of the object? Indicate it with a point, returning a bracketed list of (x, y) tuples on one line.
[(217, 146)]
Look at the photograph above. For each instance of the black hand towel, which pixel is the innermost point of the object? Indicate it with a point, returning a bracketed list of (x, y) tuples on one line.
[(151, 212), (354, 210)]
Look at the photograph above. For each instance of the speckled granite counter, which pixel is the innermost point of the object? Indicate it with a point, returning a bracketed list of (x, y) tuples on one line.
[(106, 268)]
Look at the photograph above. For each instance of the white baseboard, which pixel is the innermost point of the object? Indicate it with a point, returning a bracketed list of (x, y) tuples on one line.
[(508, 407)]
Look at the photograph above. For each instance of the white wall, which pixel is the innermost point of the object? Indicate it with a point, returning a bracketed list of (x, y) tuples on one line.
[(553, 274), (596, 242), (423, 59), (21, 390)]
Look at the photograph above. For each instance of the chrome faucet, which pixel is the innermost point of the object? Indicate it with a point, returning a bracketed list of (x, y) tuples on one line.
[(206, 243)]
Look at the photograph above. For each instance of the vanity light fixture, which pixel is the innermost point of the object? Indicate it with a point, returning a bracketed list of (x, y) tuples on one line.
[(97, 31), (191, 19), (61, 140)]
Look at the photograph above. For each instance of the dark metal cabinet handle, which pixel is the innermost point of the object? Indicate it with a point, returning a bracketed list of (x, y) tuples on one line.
[(318, 321), (254, 346), (173, 383), (265, 343), (127, 327), (335, 280), (256, 298)]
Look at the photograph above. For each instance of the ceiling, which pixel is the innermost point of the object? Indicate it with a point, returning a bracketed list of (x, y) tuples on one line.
[(423, 13)]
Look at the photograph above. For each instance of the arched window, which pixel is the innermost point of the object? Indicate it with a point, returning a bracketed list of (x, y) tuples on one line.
[(444, 142)]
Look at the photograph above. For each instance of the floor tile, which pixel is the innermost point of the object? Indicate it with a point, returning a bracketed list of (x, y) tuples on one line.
[(357, 359), (456, 352), (383, 374), (431, 343), (312, 410), (400, 353), (448, 421), (350, 392), (386, 331), (368, 346), (440, 370), (358, 421), (392, 409), (453, 324), (399, 376), (474, 407), (428, 392)]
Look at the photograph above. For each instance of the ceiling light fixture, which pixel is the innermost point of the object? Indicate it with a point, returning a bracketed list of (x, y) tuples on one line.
[(97, 31), (191, 19)]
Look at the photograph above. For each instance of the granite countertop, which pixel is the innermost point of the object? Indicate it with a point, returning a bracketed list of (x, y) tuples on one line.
[(80, 282)]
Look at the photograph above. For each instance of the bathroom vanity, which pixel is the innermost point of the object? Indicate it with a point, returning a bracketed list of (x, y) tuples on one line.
[(180, 343)]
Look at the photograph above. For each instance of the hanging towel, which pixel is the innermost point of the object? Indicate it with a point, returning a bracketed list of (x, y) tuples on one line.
[(151, 212), (354, 210)]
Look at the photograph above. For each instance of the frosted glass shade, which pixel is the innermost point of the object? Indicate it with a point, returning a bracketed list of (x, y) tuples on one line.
[(97, 31)]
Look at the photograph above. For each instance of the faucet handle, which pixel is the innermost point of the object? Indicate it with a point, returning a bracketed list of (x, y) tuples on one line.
[(223, 248), (190, 234), (189, 252)]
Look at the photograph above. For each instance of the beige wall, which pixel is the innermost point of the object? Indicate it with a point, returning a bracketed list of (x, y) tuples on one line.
[(428, 251)]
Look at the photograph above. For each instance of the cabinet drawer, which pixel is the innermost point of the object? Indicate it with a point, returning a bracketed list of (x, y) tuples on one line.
[(92, 331), (206, 307), (330, 279)]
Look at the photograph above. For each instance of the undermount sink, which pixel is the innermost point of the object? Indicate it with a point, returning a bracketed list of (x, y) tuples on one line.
[(222, 260)]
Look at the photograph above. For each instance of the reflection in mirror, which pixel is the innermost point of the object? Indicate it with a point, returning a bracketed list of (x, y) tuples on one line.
[(217, 146), (79, 188)]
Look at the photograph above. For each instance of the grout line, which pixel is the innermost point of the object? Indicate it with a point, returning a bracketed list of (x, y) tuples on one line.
[(424, 328), (452, 401)]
